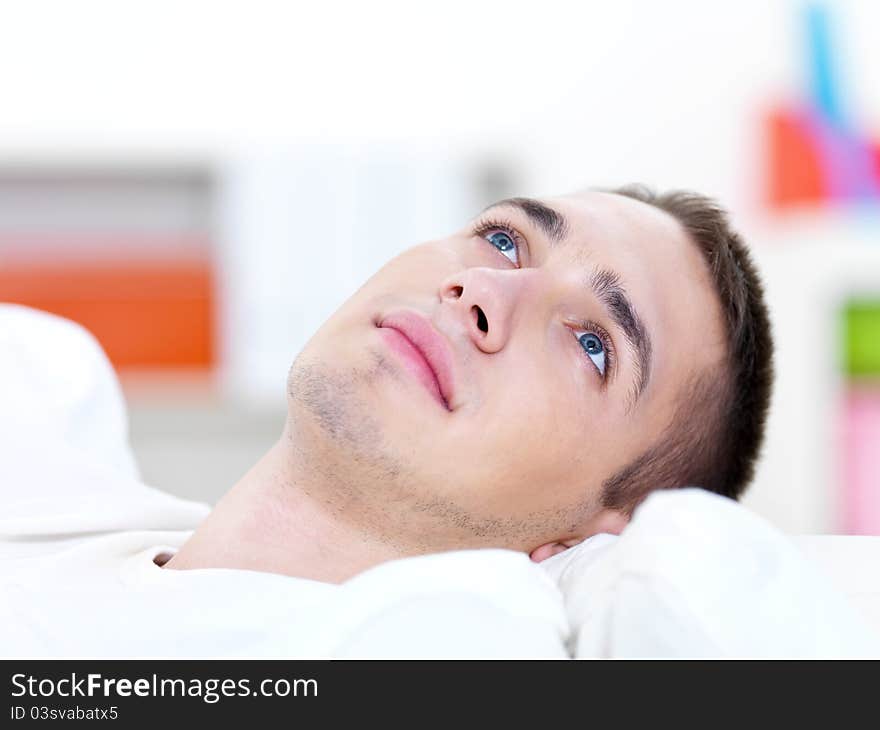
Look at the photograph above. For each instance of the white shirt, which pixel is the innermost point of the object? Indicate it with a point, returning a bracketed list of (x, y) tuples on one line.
[(79, 533)]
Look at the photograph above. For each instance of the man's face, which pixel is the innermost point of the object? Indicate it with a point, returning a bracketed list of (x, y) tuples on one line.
[(480, 388)]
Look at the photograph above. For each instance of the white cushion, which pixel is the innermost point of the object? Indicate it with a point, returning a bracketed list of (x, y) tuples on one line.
[(56, 381), (850, 563), (698, 575)]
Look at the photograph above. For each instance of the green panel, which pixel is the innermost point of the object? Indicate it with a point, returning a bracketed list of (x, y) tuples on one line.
[(862, 337)]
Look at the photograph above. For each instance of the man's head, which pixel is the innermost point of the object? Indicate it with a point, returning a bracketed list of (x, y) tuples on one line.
[(526, 381)]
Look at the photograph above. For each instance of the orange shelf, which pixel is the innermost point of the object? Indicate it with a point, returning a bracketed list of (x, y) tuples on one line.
[(146, 312)]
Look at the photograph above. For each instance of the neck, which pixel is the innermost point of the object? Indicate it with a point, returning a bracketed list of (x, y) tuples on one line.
[(274, 520)]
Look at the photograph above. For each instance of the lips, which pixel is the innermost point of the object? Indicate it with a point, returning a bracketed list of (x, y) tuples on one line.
[(426, 352)]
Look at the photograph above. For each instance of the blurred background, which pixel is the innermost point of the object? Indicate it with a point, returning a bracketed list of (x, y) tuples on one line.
[(201, 184)]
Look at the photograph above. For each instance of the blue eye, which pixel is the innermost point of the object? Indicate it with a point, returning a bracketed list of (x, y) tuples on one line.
[(593, 346), (504, 243)]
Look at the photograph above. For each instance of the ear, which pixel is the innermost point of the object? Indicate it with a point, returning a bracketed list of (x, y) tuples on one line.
[(606, 521), (547, 550)]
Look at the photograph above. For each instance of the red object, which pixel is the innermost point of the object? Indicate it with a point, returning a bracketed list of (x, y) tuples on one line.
[(794, 175)]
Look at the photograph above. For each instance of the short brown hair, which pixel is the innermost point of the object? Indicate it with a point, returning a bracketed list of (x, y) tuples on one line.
[(715, 436)]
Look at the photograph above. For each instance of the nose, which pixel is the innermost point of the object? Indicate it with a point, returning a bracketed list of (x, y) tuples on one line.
[(483, 299)]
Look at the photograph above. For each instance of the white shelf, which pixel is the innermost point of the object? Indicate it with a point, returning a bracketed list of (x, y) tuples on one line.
[(812, 265)]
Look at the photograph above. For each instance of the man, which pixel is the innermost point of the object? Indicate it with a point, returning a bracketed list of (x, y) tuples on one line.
[(521, 384)]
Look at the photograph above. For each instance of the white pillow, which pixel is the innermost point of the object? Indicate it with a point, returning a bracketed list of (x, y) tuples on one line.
[(695, 574), (55, 380), (850, 563)]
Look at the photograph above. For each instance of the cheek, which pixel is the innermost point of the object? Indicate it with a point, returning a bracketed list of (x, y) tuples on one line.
[(565, 402), (536, 428)]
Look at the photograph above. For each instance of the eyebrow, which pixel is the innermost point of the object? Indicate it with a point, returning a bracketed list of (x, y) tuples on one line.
[(605, 285), (550, 221), (608, 289)]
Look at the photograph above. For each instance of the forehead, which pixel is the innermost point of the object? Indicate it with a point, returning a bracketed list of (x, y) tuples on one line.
[(597, 218), (662, 271)]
